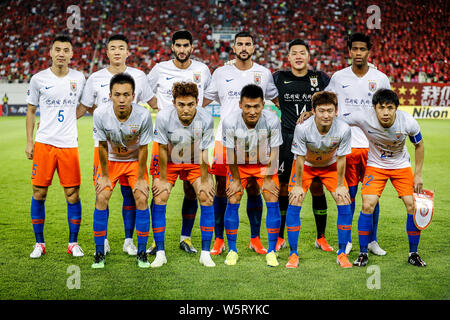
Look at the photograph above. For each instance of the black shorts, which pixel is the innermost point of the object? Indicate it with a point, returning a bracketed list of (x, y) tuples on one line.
[(286, 158)]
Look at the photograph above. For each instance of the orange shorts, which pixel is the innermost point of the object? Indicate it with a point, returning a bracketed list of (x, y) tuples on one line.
[(97, 171), (248, 171), (219, 166), (47, 158), (124, 171), (154, 167), (327, 175), (375, 180), (186, 171), (355, 167)]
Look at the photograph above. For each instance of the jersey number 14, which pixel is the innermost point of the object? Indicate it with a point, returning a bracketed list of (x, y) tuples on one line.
[(303, 110)]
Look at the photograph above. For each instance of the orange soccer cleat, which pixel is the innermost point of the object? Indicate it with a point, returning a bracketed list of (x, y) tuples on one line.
[(342, 260), (218, 247), (322, 243), (293, 261), (256, 245), (281, 244)]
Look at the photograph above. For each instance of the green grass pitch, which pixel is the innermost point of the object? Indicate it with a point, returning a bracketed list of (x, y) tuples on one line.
[(318, 275)]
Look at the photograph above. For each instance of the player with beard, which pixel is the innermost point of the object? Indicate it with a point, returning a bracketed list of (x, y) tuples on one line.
[(162, 77), (295, 89), (225, 88)]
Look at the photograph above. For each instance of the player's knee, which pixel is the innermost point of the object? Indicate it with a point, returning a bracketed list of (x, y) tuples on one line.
[(39, 193), (205, 200), (102, 199), (368, 207), (189, 192), (141, 200), (297, 202), (342, 202), (409, 206), (72, 194), (235, 198), (269, 197), (161, 199)]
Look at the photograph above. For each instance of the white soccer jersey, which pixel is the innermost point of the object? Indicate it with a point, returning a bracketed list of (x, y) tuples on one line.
[(97, 88), (252, 145), (227, 83), (387, 149), (321, 150), (57, 99), (164, 74), (184, 142), (355, 94), (124, 138)]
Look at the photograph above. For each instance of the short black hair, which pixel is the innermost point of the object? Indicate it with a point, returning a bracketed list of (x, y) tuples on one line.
[(243, 34), (252, 91), (383, 96), (359, 37), (181, 34), (62, 38), (120, 37), (298, 42), (121, 78)]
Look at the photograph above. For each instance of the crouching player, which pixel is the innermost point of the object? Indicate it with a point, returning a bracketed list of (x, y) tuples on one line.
[(252, 138), (387, 128), (320, 144), (123, 130), (184, 134)]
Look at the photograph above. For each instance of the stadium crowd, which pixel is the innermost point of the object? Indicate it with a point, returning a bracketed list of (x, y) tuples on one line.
[(410, 45)]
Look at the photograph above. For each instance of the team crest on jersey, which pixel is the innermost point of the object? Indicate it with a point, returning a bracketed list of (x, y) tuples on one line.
[(197, 77), (134, 128), (314, 81), (334, 140), (257, 76), (372, 86), (73, 86), (197, 131)]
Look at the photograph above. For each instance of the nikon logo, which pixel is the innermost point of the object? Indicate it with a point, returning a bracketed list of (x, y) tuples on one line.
[(430, 113)]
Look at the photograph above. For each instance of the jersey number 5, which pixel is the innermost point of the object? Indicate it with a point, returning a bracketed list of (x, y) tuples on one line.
[(60, 115)]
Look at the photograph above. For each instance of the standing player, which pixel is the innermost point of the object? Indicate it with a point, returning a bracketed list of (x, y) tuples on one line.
[(321, 144), (57, 91), (184, 135), (295, 89), (226, 85), (97, 95), (123, 131), (355, 86), (161, 79), (387, 128), (252, 138)]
